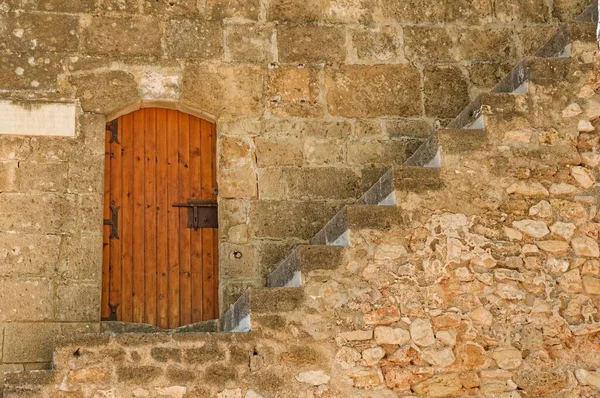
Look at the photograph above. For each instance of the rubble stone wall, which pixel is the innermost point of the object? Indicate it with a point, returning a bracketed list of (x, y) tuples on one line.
[(311, 100)]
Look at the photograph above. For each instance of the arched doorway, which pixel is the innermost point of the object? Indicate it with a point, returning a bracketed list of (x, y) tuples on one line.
[(160, 262)]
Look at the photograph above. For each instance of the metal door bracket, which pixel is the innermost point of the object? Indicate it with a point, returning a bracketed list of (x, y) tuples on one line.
[(113, 127), (113, 313), (113, 221)]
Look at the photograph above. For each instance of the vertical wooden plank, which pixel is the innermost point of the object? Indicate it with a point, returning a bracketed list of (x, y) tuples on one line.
[(162, 208), (208, 255), (150, 217), (184, 237), (173, 217), (123, 172), (196, 242), (105, 308), (214, 195), (138, 216)]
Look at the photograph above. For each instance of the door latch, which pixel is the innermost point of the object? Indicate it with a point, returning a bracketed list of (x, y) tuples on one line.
[(201, 213)]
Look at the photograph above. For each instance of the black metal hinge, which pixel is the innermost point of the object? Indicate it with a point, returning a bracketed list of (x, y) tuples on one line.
[(113, 221), (113, 127), (113, 313)]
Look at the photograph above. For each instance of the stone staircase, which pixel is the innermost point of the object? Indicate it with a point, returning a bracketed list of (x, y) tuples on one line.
[(379, 209)]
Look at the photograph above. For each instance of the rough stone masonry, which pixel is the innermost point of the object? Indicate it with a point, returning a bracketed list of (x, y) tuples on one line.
[(313, 100), (489, 286)]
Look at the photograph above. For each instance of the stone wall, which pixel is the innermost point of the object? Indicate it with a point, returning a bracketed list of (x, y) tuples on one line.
[(490, 288), (312, 99)]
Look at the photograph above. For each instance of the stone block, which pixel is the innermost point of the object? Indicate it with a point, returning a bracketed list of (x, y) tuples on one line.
[(485, 75), (222, 9), (446, 91), (28, 255), (283, 151), (232, 290), (49, 149), (8, 175), (14, 148), (37, 71), (322, 152), (373, 152), (119, 5), (420, 11), (295, 10), (90, 214), (67, 5), (237, 165), (80, 258), (486, 44), (233, 220), (86, 176), (270, 184), (40, 32), (508, 11), (431, 44), (236, 261), (92, 130), (311, 44), (225, 89), (285, 219), (351, 11), (106, 91), (321, 183), (372, 91), (269, 253), (534, 37), (376, 44), (294, 91), (25, 300), (249, 43), (309, 128), (43, 177), (565, 10), (165, 354), (399, 128), (29, 342), (194, 38), (136, 35), (37, 213), (8, 367), (138, 374), (172, 7)]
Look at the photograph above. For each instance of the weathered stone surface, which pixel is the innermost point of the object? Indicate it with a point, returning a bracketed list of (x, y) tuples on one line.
[(507, 357), (104, 92), (295, 10), (536, 229), (414, 11), (376, 45), (248, 43), (78, 302), (446, 91), (238, 169), (47, 213), (421, 332), (131, 36), (40, 32), (382, 90), (194, 38), (535, 11), (585, 246), (23, 255), (388, 335), (442, 385), (226, 90), (30, 71), (176, 7), (295, 91), (308, 43), (28, 342)]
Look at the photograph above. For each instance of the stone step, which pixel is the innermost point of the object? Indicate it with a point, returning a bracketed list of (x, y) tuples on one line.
[(127, 327), (462, 141), (566, 35), (28, 383), (497, 103), (356, 217), (400, 178), (260, 301), (303, 259)]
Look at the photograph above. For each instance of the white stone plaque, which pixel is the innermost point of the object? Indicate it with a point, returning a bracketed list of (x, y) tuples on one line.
[(37, 118)]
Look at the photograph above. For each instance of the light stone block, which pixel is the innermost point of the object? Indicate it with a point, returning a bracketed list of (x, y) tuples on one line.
[(38, 119)]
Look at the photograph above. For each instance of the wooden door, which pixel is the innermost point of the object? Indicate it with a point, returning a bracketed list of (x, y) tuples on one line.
[(157, 269)]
